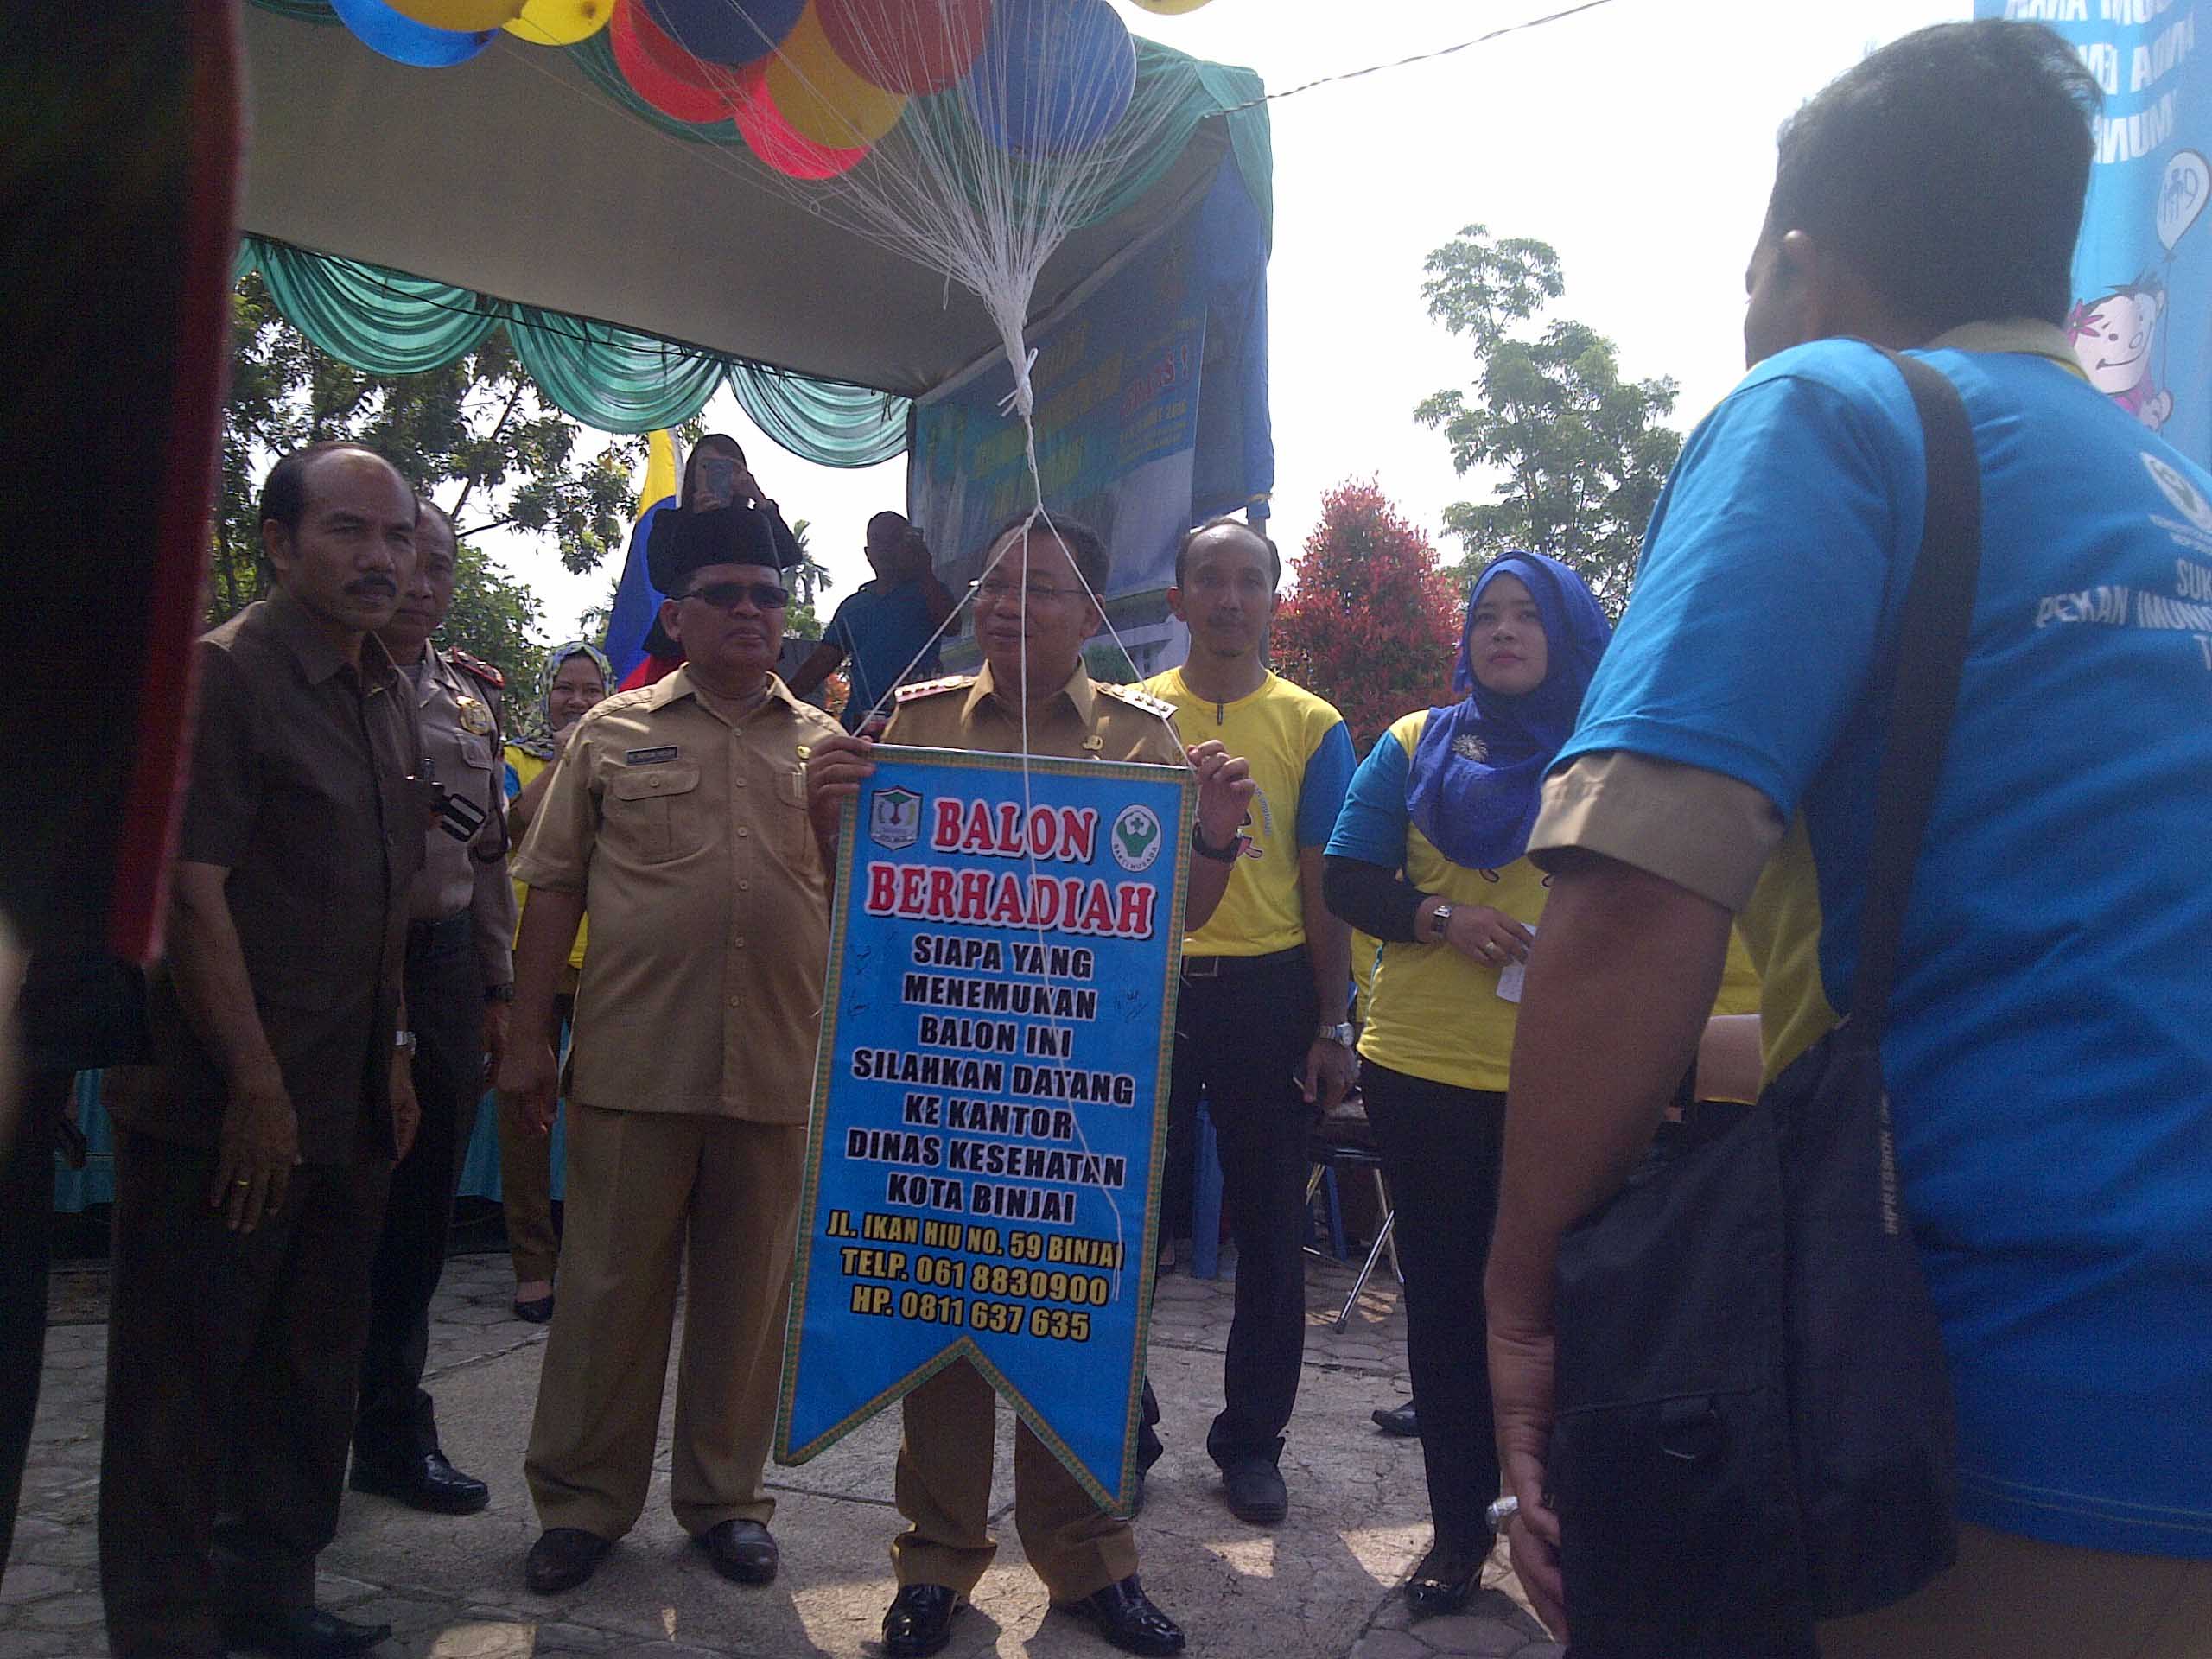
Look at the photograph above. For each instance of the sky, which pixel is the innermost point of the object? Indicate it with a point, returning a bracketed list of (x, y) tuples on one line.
[(1637, 138)]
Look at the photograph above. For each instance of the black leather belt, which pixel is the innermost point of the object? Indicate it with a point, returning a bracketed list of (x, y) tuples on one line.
[(421, 935), (1230, 967)]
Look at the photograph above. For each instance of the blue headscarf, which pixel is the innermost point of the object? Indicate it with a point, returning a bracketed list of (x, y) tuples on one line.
[(1477, 770)]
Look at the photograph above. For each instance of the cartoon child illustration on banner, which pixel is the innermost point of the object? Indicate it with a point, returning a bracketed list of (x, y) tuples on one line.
[(2114, 335)]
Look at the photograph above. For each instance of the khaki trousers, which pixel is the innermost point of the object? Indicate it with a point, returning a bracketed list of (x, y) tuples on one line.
[(2013, 1597), (943, 1489), (647, 1190)]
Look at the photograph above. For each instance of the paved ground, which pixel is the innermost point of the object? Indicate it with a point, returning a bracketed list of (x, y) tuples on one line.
[(1323, 1586)]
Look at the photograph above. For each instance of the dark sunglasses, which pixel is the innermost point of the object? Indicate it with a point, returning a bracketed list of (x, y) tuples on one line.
[(725, 595)]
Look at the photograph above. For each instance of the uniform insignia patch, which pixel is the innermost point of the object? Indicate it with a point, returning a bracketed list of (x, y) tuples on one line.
[(930, 688), (649, 757), (1137, 699), (482, 670), (474, 717)]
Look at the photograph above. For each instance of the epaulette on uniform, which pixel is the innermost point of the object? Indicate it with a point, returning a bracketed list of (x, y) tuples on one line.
[(1136, 697), (478, 667), (931, 688)]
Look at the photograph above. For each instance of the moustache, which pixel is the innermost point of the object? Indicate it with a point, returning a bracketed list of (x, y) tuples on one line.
[(382, 587)]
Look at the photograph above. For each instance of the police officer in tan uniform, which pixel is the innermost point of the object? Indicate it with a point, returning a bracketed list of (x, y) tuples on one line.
[(1035, 607), (459, 977), (681, 805)]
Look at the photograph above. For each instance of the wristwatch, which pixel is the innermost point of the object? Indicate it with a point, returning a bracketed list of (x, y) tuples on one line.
[(1219, 854), (499, 992), (1439, 921), (1336, 1034), (405, 1043), (1502, 1511)]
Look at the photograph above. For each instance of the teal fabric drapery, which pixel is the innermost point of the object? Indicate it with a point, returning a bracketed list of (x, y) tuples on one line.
[(616, 379)]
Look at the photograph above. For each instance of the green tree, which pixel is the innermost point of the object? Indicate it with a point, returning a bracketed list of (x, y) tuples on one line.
[(807, 579), (1577, 455), (1373, 623), (475, 435)]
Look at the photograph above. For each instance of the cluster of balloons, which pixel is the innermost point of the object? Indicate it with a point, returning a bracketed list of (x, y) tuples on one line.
[(812, 84)]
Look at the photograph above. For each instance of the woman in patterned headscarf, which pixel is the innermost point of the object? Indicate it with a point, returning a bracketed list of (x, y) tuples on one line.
[(577, 674)]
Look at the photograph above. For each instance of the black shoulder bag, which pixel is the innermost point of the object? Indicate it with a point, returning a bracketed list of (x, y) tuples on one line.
[(1754, 1425)]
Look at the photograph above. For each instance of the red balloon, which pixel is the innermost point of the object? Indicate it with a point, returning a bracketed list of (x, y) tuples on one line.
[(773, 140), (662, 72), (907, 46)]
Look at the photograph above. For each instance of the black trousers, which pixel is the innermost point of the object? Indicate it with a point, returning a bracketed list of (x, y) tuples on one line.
[(396, 1423), (1240, 1040), (1441, 1148), (26, 1255), (231, 1367)]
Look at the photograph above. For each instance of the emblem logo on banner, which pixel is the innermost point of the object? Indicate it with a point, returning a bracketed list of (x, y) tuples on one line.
[(989, 1100), (895, 819)]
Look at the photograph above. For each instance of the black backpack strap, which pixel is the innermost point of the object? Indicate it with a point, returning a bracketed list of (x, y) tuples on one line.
[(1919, 681)]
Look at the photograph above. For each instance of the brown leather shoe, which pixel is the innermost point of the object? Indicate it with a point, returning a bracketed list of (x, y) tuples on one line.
[(741, 1551)]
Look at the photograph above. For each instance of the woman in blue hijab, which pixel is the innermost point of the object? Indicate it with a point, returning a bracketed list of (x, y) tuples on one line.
[(1430, 856)]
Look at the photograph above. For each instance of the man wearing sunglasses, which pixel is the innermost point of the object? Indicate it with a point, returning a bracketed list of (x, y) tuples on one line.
[(683, 806)]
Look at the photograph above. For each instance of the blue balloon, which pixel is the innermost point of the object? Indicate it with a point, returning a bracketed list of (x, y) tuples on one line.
[(726, 31), (400, 37), (1054, 76)]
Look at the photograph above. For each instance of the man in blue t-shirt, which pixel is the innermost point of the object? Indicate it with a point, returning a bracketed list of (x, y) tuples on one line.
[(886, 627), (2049, 1047)]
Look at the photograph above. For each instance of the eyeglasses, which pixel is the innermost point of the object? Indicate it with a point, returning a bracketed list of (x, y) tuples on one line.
[(725, 595), (994, 588)]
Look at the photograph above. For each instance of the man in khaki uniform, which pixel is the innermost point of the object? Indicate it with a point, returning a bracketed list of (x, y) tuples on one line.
[(458, 979), (1035, 607), (683, 806)]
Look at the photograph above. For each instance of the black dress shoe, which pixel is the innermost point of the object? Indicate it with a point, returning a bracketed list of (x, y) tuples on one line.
[(1255, 1493), (537, 1311), (742, 1550), (920, 1622), (1126, 1617), (562, 1558), (427, 1483), (1447, 1576), (298, 1633), (1397, 1422)]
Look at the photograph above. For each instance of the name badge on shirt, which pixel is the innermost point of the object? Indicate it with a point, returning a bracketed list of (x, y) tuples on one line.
[(649, 757), (474, 717)]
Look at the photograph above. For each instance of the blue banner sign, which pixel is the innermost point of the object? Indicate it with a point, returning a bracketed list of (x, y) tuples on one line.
[(983, 1171), (2141, 323)]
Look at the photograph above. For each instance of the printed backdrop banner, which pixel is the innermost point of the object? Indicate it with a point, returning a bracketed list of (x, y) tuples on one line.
[(2142, 317), (989, 1102), (1117, 384)]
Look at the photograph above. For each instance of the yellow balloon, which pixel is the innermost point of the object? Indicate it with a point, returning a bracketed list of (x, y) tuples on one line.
[(561, 22), (1171, 8), (458, 14), (822, 96)]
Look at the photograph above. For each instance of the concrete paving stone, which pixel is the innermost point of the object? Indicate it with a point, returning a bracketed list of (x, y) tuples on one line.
[(1388, 1644), (482, 1640), (27, 1581), (41, 1644), (336, 1593), (73, 1612), (69, 1547)]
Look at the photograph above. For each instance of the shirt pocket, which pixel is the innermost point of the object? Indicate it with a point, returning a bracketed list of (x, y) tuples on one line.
[(654, 812), (794, 832)]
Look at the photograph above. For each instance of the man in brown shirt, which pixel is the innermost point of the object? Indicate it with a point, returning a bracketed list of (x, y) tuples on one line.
[(459, 977), (250, 1170), (683, 806), (1036, 607)]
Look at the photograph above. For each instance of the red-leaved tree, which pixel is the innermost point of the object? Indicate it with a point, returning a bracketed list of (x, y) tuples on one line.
[(1373, 623)]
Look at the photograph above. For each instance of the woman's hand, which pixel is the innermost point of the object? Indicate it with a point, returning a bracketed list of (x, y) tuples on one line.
[(1487, 936)]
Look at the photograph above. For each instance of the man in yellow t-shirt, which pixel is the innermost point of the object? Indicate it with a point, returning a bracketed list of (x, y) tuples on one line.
[(1261, 1028)]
